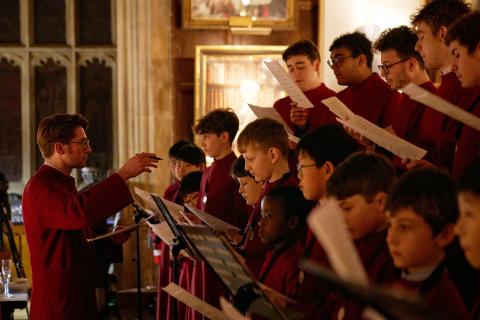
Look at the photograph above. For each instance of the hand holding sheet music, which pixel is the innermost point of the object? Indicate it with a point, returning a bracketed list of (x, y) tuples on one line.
[(328, 226), (435, 102), (374, 133), (288, 85)]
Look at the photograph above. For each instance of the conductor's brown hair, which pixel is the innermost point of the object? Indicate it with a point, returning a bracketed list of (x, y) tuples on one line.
[(58, 127), (264, 133)]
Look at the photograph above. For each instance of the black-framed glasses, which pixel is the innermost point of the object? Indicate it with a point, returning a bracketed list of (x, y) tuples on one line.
[(337, 60), (385, 68), (84, 142)]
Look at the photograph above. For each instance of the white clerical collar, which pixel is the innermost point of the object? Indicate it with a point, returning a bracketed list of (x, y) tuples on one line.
[(447, 70), (419, 274)]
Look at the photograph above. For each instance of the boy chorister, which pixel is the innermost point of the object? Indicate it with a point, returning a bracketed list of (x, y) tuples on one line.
[(264, 145), (423, 208)]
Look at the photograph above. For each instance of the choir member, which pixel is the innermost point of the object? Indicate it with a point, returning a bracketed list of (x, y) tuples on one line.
[(467, 227), (218, 192), (360, 184), (423, 208), (303, 63), (264, 145), (57, 218), (366, 94)]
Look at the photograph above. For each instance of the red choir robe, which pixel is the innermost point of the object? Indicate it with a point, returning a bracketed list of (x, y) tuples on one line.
[(281, 271), (439, 292), (378, 263), (57, 219), (164, 275), (317, 116), (475, 312), (219, 197), (253, 248), (468, 146), (451, 90), (372, 99)]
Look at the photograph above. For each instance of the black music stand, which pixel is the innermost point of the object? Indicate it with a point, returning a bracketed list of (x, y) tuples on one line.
[(219, 255), (387, 302), (181, 242)]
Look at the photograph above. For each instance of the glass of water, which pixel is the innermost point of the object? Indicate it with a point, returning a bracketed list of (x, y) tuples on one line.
[(5, 276)]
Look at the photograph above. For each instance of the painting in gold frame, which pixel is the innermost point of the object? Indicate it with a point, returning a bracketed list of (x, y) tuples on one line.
[(232, 76), (205, 14)]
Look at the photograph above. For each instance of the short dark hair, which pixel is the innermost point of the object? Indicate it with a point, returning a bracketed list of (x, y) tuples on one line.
[(173, 151), (430, 193), (218, 121), (401, 39), (469, 180), (440, 13), (363, 173), (238, 169), (191, 153), (465, 30), (357, 43), (58, 127), (302, 48), (190, 183), (327, 143), (264, 133), (292, 202)]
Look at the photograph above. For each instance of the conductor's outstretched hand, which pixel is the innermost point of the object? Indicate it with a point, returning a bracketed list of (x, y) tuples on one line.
[(137, 164)]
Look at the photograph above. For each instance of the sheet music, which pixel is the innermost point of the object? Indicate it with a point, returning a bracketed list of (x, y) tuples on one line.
[(288, 85), (338, 108), (230, 311), (163, 231), (328, 226), (374, 133), (211, 221), (270, 112), (112, 233), (190, 300), (435, 102), (151, 207)]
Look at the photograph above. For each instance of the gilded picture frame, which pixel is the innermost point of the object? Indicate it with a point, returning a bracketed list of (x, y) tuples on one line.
[(208, 14)]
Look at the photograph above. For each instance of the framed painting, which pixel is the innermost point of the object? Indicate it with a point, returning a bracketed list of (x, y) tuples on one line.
[(205, 14)]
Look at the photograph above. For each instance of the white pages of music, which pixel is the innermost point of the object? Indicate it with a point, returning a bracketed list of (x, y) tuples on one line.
[(270, 112), (193, 302), (328, 226), (230, 311), (149, 205), (435, 102), (288, 85), (374, 133), (211, 221)]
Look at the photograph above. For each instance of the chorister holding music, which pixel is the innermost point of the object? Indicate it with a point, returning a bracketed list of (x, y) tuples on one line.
[(383, 175)]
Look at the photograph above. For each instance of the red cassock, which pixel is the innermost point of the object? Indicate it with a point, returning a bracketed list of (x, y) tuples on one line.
[(281, 271), (440, 294), (164, 275), (317, 116), (219, 197), (253, 247), (451, 90), (468, 146), (372, 99), (378, 264), (57, 219)]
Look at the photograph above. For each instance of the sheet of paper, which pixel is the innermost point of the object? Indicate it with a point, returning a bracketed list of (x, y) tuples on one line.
[(374, 133), (288, 85), (338, 108), (211, 221), (190, 300), (163, 231), (421, 95), (269, 112), (111, 234), (145, 201), (230, 311), (328, 226)]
